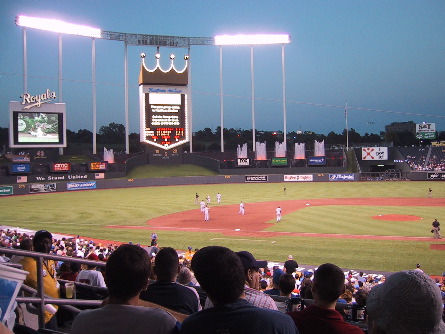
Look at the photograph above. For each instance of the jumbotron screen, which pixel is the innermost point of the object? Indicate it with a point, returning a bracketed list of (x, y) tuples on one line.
[(165, 119), (37, 129)]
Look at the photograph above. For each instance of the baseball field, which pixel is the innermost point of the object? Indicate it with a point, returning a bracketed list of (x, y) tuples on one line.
[(379, 226)]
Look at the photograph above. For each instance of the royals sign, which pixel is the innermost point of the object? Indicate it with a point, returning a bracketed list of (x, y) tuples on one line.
[(30, 101)]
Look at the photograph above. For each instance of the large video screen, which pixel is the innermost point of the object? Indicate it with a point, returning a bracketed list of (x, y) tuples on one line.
[(37, 129)]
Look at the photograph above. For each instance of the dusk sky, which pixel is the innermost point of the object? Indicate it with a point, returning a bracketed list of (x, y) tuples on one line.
[(385, 58)]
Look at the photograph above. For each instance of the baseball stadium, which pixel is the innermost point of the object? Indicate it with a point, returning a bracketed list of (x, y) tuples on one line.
[(369, 208)]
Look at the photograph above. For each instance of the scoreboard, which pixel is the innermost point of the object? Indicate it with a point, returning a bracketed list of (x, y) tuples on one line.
[(164, 117)]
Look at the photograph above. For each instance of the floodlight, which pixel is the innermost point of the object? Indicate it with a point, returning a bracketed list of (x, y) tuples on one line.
[(251, 39), (57, 26)]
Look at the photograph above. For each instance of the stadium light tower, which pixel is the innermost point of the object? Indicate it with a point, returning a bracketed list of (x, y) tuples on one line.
[(57, 26), (251, 40), (62, 27)]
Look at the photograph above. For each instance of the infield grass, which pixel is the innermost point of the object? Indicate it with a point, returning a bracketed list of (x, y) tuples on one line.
[(88, 212)]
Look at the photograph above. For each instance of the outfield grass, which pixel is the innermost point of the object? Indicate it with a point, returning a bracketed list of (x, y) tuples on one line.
[(151, 171), (88, 212)]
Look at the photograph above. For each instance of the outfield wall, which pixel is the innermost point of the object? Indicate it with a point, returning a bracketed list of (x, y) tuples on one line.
[(44, 185), (89, 184)]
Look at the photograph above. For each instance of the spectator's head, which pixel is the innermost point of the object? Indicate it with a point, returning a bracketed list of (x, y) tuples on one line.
[(42, 241), (185, 275), (26, 244), (263, 284), (127, 271), (277, 273), (93, 257), (408, 302), (219, 271), (166, 265), (251, 269), (286, 284), (360, 297), (328, 284), (75, 267)]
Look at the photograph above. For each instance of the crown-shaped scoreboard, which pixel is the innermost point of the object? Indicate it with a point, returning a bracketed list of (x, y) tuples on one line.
[(163, 104)]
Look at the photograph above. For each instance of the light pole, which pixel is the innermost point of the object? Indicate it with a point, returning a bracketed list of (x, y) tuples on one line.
[(251, 40)]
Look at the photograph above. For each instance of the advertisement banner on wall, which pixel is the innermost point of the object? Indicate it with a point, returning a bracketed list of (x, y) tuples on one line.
[(60, 167), (374, 153), (6, 190), (279, 162), (98, 166), (20, 169), (81, 185), (298, 178), (436, 176), (341, 177), (316, 161), (242, 162), (256, 178), (42, 188)]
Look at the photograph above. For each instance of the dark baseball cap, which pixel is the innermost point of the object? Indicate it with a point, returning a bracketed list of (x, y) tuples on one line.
[(249, 261), (43, 234)]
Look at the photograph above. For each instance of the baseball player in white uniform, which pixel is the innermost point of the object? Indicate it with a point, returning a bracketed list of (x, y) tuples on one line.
[(218, 197), (206, 213), (278, 211), (202, 204), (241, 208)]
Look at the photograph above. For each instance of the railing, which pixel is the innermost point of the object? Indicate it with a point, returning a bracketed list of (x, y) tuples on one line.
[(41, 299)]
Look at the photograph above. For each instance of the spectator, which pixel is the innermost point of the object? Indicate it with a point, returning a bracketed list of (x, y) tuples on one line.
[(25, 244), (263, 285), (361, 297), (42, 243), (72, 271), (361, 278), (306, 288), (189, 254), (185, 276), (165, 291), (408, 302), (220, 273), (252, 278), (127, 273), (153, 249), (91, 275), (290, 265), (275, 291), (418, 267), (286, 284), (321, 317)]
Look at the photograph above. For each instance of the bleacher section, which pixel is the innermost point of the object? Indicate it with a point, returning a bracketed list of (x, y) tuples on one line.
[(424, 158)]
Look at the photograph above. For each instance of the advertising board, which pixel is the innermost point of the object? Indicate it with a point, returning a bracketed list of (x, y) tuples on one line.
[(374, 153), (256, 178), (316, 161), (60, 167)]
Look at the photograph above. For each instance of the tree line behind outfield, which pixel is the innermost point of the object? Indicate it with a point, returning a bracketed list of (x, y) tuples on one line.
[(113, 136)]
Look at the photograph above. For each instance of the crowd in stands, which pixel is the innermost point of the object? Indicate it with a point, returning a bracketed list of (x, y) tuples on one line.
[(416, 158), (216, 290)]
